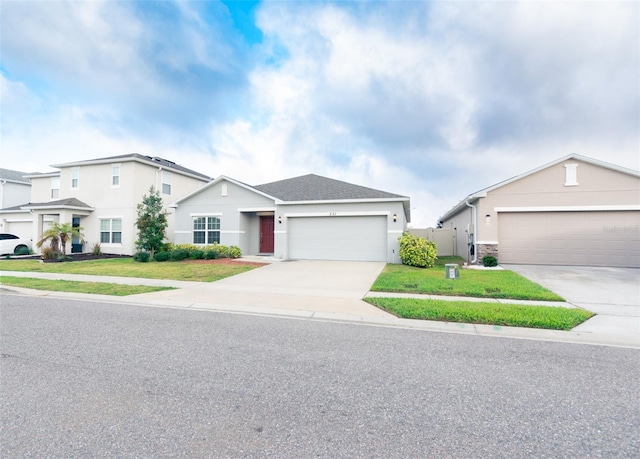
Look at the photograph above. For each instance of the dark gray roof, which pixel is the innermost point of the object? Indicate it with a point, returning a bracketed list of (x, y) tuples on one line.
[(15, 208), (69, 202), (136, 156), (316, 188), (13, 176)]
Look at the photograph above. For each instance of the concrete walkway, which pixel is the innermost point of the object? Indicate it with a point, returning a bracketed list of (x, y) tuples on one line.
[(311, 290)]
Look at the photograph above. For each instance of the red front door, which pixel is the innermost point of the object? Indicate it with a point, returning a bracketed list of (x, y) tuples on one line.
[(266, 234)]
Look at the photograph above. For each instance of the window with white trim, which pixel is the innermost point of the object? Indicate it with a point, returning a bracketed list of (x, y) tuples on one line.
[(111, 231), (115, 175), (75, 178), (570, 175), (206, 230), (55, 187), (166, 182)]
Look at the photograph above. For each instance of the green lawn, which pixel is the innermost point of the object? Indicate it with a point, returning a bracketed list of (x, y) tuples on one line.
[(79, 287), (554, 318), (472, 282), (126, 267)]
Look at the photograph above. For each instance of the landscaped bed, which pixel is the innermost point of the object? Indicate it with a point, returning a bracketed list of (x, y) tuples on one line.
[(472, 282), (555, 318), (187, 270)]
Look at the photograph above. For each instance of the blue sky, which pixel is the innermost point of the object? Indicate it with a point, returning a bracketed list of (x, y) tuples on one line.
[(433, 100)]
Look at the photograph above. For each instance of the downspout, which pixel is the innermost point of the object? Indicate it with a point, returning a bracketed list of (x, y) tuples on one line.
[(474, 219)]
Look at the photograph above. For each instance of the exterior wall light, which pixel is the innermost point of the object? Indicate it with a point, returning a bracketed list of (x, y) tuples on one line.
[(279, 219), (488, 218), (395, 218)]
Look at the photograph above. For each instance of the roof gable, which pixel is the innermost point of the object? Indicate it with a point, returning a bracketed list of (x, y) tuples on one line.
[(483, 192)]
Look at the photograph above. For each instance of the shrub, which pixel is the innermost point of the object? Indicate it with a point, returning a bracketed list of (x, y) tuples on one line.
[(489, 261), (234, 252), (49, 254), (417, 251), (161, 256), (196, 254), (142, 257), (96, 249), (179, 254), (210, 255)]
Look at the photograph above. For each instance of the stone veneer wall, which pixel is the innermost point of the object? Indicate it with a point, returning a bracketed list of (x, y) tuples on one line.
[(487, 250)]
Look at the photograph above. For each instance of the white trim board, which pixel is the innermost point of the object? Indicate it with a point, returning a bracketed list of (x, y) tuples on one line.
[(339, 214), (568, 208)]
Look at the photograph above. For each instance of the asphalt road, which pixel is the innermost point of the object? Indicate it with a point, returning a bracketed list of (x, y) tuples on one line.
[(82, 379)]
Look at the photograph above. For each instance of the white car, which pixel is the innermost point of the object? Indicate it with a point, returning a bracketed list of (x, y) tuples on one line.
[(10, 244)]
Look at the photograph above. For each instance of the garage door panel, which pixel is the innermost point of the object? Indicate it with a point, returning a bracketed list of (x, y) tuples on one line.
[(338, 238), (570, 238)]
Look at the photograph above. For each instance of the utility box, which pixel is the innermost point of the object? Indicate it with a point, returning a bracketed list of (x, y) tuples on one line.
[(451, 271)]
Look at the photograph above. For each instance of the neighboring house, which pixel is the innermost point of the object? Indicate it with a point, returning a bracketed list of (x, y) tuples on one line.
[(101, 196), (308, 217), (573, 211), (15, 189)]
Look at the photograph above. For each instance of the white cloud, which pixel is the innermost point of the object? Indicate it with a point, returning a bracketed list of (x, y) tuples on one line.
[(434, 100)]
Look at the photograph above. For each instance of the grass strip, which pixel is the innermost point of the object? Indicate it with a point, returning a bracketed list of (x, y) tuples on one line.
[(512, 315), (126, 267), (472, 282), (97, 288)]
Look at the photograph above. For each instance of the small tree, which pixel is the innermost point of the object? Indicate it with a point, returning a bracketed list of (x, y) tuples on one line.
[(151, 222), (58, 234)]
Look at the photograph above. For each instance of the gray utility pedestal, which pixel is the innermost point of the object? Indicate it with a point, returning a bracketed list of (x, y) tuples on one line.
[(451, 271)]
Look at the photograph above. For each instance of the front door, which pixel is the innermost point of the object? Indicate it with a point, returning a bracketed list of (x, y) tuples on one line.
[(76, 243), (266, 234)]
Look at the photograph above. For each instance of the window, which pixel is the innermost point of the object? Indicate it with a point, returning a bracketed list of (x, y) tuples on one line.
[(206, 230), (115, 175), (55, 187), (166, 182), (75, 178), (111, 231), (571, 175)]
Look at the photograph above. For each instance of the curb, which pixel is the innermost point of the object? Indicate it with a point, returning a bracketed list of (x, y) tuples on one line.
[(494, 331)]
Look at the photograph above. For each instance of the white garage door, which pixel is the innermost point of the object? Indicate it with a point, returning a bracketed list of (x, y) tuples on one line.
[(338, 238), (570, 238)]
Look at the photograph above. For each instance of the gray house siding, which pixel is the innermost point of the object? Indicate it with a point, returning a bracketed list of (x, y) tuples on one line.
[(336, 229), (237, 211)]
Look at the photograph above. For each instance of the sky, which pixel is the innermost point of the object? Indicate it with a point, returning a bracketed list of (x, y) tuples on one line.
[(431, 100)]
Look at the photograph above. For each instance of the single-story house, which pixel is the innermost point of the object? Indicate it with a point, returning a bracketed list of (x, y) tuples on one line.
[(307, 217), (573, 211)]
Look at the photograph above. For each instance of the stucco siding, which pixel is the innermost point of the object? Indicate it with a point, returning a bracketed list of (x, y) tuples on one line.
[(234, 209)]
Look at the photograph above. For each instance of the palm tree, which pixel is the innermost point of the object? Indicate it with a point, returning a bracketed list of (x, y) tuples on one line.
[(59, 234)]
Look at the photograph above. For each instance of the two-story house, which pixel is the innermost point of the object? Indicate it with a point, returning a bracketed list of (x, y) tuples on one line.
[(101, 195)]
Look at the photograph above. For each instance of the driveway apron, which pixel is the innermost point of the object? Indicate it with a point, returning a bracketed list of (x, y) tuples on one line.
[(320, 286), (612, 293)]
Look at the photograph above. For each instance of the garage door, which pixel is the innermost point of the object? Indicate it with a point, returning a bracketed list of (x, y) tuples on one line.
[(570, 238), (338, 238)]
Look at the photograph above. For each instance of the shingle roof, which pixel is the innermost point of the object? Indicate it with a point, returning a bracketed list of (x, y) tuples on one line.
[(317, 188), (69, 202), (136, 156), (13, 176)]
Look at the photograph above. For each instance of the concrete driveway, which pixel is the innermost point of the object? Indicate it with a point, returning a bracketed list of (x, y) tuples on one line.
[(612, 293), (319, 286)]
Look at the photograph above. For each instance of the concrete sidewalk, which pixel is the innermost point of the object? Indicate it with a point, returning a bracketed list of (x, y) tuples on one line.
[(294, 290)]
